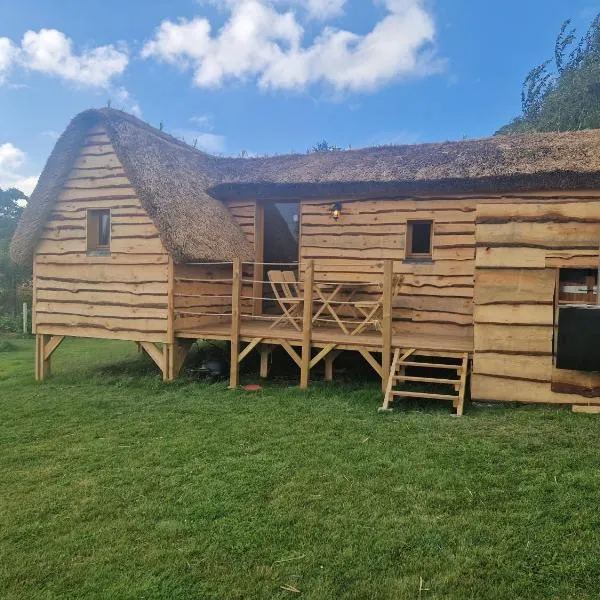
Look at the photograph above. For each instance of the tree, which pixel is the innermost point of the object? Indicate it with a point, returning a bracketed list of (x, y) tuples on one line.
[(11, 275), (324, 146), (563, 94)]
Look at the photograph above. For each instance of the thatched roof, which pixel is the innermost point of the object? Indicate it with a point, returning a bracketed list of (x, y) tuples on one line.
[(181, 188), (170, 178)]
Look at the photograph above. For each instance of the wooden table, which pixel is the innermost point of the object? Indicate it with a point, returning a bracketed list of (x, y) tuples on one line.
[(326, 294)]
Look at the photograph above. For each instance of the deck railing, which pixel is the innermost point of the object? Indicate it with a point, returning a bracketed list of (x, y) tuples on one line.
[(235, 296)]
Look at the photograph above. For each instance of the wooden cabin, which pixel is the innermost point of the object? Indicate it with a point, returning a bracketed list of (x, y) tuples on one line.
[(482, 255)]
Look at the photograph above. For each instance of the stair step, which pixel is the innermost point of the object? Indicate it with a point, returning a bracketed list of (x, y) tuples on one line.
[(424, 395), (430, 365), (427, 379)]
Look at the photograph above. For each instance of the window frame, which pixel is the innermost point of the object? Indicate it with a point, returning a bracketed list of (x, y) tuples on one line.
[(94, 218), (416, 256)]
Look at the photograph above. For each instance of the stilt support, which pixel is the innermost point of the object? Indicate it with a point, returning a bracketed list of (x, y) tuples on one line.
[(176, 354), (265, 353), (45, 345), (329, 360)]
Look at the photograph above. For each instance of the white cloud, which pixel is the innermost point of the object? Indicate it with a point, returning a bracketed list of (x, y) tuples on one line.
[(261, 43), (7, 56), (204, 121), (316, 9), (11, 161), (126, 102), (50, 51), (209, 142)]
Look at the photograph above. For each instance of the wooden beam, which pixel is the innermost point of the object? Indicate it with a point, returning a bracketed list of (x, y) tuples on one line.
[(249, 348), (307, 323), (236, 292), (329, 360), (170, 301), (390, 384), (176, 355), (290, 350), (52, 345), (371, 360), (588, 410), (259, 253), (156, 354), (463, 384), (324, 352), (265, 352), (386, 356)]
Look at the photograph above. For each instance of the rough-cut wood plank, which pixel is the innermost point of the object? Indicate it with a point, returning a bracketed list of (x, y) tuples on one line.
[(107, 323), (542, 235), (525, 339), (100, 333), (100, 298), (513, 285), (584, 384), (523, 314), (152, 288), (99, 310), (521, 258), (491, 389), (115, 258), (514, 366), (542, 212), (104, 273)]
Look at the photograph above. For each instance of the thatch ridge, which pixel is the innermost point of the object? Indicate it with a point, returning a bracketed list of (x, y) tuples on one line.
[(181, 187)]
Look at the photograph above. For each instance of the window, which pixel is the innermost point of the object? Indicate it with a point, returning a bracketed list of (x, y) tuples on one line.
[(578, 286), (98, 231), (418, 239)]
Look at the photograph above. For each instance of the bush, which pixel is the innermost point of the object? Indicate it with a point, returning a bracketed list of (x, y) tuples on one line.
[(10, 324)]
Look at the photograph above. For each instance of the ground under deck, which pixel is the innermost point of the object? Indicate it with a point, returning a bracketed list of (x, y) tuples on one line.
[(324, 336)]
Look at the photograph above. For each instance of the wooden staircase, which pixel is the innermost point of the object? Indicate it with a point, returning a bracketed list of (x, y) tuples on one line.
[(407, 359)]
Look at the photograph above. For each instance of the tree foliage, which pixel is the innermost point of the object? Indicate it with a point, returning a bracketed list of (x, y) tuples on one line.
[(324, 146), (11, 275), (563, 94)]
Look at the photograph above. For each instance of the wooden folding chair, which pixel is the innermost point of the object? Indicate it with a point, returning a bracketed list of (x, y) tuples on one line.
[(287, 293), (372, 310)]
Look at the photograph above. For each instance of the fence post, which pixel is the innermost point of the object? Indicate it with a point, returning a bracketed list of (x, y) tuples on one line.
[(386, 356), (236, 289), (309, 273), (24, 318)]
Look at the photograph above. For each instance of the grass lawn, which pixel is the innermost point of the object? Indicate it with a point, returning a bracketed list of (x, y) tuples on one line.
[(115, 485)]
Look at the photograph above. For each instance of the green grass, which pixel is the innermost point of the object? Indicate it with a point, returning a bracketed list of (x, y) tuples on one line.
[(115, 485)]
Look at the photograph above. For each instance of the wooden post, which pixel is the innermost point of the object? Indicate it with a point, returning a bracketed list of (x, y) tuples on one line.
[(259, 253), (265, 352), (24, 318), (236, 292), (45, 345), (386, 354), (309, 273)]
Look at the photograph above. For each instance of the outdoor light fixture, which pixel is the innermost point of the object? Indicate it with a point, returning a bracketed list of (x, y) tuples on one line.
[(336, 210)]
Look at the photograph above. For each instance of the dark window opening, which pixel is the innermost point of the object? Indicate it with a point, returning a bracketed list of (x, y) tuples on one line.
[(578, 286), (418, 239), (98, 231)]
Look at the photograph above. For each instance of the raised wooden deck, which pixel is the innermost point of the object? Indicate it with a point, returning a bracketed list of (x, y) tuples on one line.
[(251, 329)]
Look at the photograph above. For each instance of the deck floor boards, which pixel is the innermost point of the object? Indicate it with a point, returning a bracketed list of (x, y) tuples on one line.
[(323, 336)]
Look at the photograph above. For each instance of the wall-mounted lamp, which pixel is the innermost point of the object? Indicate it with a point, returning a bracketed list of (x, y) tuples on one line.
[(336, 210)]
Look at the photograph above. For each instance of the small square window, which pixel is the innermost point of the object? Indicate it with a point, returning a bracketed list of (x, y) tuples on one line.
[(418, 239), (98, 231)]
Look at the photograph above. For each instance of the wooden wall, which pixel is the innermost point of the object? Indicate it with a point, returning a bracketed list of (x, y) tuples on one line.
[(121, 296), (203, 290), (436, 298), (520, 246)]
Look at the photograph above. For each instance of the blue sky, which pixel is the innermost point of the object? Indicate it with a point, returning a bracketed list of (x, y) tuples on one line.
[(270, 76)]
